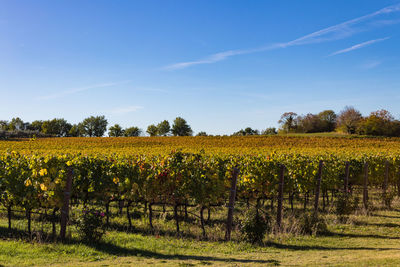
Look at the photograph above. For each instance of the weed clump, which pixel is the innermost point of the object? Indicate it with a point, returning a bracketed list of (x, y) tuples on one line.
[(313, 225), (90, 225), (254, 226)]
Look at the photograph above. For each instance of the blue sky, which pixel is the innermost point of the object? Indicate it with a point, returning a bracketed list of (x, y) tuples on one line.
[(221, 65)]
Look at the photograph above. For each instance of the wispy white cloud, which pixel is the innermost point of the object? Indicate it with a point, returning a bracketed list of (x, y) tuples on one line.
[(335, 32), (358, 46), (371, 64), (385, 22), (126, 109), (79, 89)]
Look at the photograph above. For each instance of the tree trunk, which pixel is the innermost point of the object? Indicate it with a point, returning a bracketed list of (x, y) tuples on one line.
[(176, 217), (202, 221), (128, 215), (53, 222), (107, 213), (121, 206), (9, 214), (186, 212), (150, 215), (28, 216)]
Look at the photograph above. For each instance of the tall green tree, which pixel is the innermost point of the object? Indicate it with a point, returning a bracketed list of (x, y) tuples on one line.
[(94, 126), (328, 119), (57, 127), (181, 128), (16, 124), (36, 126), (152, 130), (132, 131), (115, 131), (76, 130), (3, 125), (163, 128)]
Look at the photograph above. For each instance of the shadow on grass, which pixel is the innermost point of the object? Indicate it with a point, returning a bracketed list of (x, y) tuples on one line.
[(333, 234), (307, 247), (115, 250), (146, 231), (385, 216)]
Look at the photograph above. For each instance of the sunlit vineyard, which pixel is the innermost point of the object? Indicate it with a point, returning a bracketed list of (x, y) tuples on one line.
[(179, 171), (210, 145)]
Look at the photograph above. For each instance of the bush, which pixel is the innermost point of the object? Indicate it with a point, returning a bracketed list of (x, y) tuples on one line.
[(254, 226), (388, 197), (346, 204), (312, 225), (90, 225)]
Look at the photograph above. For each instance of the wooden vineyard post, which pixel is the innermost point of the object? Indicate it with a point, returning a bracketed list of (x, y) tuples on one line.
[(280, 196), (318, 187), (365, 186), (398, 183), (385, 184), (65, 207), (231, 205), (346, 178)]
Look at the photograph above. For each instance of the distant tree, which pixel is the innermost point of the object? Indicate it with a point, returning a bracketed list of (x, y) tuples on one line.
[(16, 124), (348, 120), (163, 128), (241, 132), (246, 131), (181, 128), (269, 131), (3, 125), (152, 130), (380, 123), (76, 130), (250, 131), (115, 131), (57, 127), (36, 126), (288, 121), (328, 120), (201, 134), (309, 123), (94, 126), (132, 131)]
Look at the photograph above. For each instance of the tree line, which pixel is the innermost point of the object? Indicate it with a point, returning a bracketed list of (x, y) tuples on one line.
[(93, 126), (349, 120)]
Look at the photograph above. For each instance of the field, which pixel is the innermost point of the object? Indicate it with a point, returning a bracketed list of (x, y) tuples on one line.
[(361, 241), (220, 145), (165, 200)]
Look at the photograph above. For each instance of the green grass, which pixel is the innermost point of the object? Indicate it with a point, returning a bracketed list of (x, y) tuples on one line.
[(361, 241)]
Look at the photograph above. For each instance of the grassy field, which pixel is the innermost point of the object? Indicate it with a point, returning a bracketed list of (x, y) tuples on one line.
[(359, 241)]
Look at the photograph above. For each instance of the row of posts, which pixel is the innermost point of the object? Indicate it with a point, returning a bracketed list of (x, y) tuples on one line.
[(317, 192), (235, 174)]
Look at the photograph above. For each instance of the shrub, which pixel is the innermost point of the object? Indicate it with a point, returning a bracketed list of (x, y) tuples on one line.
[(388, 197), (346, 204), (254, 226), (313, 225), (90, 225)]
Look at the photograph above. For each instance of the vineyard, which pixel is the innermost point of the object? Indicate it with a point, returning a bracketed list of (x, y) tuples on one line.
[(36, 175)]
